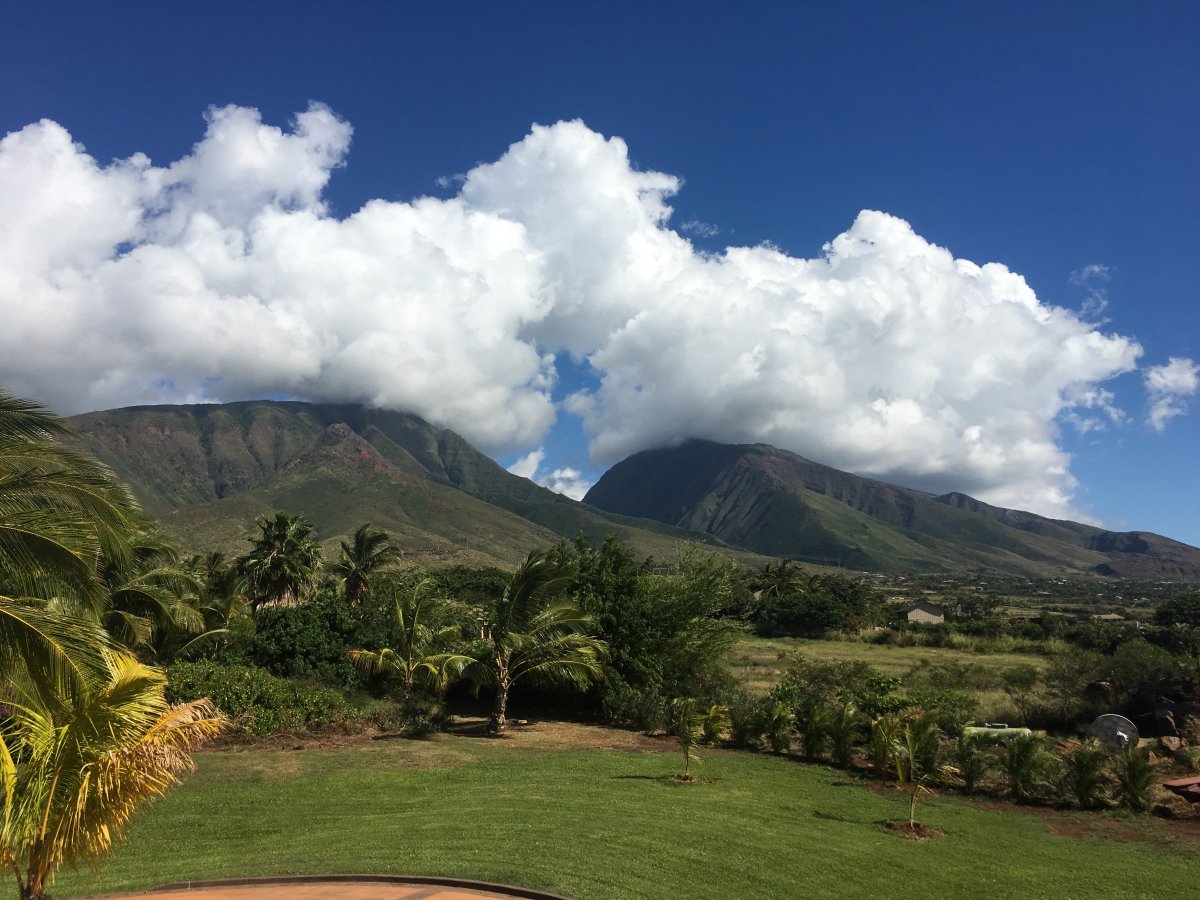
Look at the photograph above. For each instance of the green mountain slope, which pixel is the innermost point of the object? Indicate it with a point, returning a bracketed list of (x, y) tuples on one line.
[(780, 504), (207, 471)]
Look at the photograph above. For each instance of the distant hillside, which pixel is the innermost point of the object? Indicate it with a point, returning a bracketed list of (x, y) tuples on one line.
[(207, 471), (780, 504)]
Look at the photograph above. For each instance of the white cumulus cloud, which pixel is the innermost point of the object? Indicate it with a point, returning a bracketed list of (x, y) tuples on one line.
[(527, 465), (568, 482), (223, 276), (1168, 386)]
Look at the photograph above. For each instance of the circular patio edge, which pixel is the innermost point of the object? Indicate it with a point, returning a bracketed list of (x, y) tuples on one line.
[(502, 890)]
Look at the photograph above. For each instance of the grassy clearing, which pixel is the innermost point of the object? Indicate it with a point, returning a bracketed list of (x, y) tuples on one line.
[(606, 823), (760, 662)]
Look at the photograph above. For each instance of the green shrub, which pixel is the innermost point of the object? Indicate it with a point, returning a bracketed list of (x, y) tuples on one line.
[(974, 759), (1086, 776), (1134, 775), (257, 702)]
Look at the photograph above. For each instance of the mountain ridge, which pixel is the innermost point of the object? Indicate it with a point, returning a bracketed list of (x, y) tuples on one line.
[(207, 470), (778, 503)]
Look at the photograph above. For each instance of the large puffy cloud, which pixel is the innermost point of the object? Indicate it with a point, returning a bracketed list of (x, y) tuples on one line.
[(222, 276)]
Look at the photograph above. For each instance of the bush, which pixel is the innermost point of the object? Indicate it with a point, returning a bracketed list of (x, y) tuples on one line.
[(1086, 778), (257, 702), (1134, 775), (974, 759), (414, 717)]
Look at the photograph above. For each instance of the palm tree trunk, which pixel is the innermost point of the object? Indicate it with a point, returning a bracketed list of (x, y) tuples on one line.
[(498, 723)]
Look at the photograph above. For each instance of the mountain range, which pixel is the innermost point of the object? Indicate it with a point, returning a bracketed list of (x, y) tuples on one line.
[(780, 504), (207, 471)]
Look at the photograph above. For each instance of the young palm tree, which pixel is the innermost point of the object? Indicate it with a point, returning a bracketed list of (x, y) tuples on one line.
[(973, 758), (1025, 762), (844, 724), (688, 722), (426, 630), (75, 769), (1086, 777), (284, 562), (885, 744), (533, 635), (1134, 774)]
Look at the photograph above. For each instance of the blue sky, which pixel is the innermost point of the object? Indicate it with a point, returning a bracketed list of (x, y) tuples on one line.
[(1044, 137)]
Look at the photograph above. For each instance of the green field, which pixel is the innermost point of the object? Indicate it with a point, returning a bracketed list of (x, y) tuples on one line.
[(595, 816), (760, 662)]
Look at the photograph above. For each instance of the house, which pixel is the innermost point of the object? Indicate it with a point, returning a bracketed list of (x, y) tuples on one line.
[(924, 612)]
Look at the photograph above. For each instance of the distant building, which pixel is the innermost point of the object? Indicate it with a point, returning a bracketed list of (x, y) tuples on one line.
[(1109, 617), (924, 612)]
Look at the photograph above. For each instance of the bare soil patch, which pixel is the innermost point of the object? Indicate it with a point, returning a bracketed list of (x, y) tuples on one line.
[(917, 831)]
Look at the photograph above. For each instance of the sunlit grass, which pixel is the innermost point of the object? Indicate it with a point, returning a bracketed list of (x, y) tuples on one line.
[(605, 824)]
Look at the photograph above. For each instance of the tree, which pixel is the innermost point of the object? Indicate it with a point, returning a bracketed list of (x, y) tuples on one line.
[(1026, 763), (86, 733), (533, 633), (75, 768), (150, 594), (974, 760), (1020, 683), (778, 579), (1086, 777), (63, 516), (1182, 609), (426, 631), (369, 552), (1134, 774), (284, 562), (688, 722), (844, 724)]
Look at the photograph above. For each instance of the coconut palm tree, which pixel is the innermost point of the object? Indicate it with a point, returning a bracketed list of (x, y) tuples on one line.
[(73, 769), (369, 552), (151, 594), (426, 631), (688, 722), (284, 562), (87, 733), (63, 516), (532, 634)]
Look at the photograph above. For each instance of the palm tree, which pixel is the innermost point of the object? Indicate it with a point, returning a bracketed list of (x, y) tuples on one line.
[(1086, 775), (426, 629), (63, 516), (532, 635), (370, 551), (151, 594), (284, 562), (688, 722), (779, 579), (87, 733), (75, 769)]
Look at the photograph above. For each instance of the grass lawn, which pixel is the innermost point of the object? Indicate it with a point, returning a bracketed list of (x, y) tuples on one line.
[(595, 817)]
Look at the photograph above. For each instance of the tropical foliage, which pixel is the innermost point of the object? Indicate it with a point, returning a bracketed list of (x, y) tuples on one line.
[(535, 633), (87, 734), (427, 631), (284, 563)]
